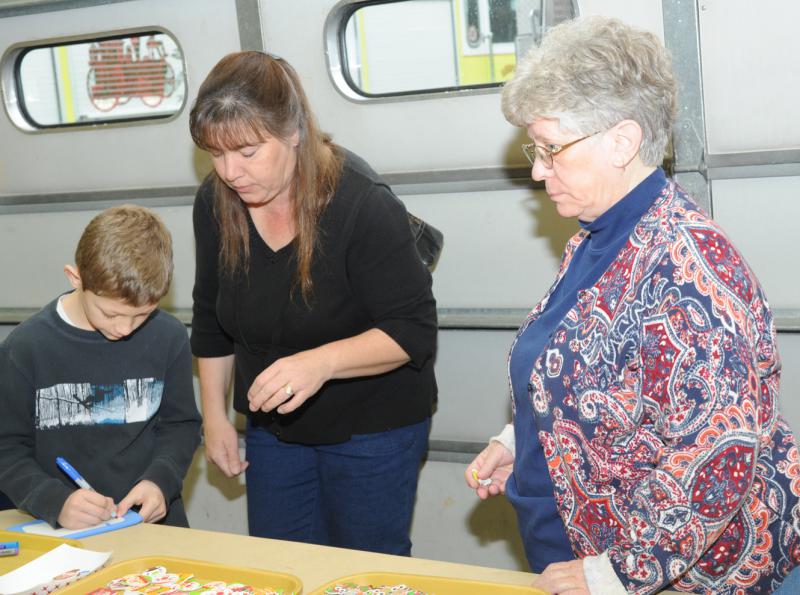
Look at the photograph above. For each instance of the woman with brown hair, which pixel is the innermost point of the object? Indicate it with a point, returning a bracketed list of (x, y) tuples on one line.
[(310, 293)]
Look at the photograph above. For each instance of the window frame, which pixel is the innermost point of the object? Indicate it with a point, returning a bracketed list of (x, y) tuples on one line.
[(14, 101), (336, 52)]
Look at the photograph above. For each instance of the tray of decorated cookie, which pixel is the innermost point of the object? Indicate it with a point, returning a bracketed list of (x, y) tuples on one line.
[(162, 575), (385, 583)]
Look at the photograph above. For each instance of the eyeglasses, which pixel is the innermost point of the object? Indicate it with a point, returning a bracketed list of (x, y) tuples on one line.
[(545, 154)]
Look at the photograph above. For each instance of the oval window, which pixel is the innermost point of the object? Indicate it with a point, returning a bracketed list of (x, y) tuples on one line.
[(111, 79), (394, 48)]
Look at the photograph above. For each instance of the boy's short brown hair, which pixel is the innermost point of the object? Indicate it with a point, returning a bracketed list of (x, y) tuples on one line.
[(126, 253)]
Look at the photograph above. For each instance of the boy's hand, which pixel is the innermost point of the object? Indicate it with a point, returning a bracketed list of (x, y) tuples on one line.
[(149, 498), (84, 508), (222, 446), (495, 462)]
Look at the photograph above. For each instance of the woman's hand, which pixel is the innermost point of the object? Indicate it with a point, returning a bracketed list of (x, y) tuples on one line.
[(289, 382), (495, 462), (222, 445), (563, 578)]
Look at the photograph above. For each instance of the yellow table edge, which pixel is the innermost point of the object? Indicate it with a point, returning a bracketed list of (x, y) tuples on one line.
[(438, 585)]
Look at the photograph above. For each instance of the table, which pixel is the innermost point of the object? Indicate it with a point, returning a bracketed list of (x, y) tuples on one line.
[(315, 565)]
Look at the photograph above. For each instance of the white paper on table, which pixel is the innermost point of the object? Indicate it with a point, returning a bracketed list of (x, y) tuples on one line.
[(57, 568)]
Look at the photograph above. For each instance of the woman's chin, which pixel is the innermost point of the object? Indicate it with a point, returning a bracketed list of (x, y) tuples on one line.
[(566, 211)]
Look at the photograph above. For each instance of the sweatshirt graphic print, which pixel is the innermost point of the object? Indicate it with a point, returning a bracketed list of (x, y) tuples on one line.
[(85, 404)]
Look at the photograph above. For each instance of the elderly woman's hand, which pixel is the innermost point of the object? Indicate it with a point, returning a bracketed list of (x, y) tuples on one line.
[(563, 578), (289, 382), (495, 462)]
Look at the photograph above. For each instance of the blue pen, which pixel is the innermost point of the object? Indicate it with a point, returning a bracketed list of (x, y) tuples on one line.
[(75, 476)]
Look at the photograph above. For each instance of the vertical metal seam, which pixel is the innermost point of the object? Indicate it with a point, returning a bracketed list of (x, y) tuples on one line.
[(248, 17), (682, 39)]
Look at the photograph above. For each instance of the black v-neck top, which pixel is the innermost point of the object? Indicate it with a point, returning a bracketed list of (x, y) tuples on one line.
[(366, 274)]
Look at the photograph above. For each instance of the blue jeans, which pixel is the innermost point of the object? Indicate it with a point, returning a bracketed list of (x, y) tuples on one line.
[(357, 494), (791, 584)]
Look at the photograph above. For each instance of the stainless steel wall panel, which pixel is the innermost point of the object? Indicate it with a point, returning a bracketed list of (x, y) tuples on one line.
[(750, 75)]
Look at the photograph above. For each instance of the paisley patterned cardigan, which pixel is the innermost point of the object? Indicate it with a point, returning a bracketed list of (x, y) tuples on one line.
[(656, 404)]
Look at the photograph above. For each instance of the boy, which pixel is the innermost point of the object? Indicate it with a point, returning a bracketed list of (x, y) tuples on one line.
[(102, 378)]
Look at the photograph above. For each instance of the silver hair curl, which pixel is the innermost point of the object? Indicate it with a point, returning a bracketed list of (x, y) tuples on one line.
[(593, 72)]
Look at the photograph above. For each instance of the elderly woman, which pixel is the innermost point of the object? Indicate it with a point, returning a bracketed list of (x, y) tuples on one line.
[(308, 285), (647, 450)]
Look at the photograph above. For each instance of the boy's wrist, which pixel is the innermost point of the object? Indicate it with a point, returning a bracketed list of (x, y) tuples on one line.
[(162, 477), (47, 502)]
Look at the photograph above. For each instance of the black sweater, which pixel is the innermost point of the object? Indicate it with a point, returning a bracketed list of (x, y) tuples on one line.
[(366, 274), (118, 411)]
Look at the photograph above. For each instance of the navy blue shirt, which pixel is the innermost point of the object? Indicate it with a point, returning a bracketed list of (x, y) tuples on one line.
[(529, 489)]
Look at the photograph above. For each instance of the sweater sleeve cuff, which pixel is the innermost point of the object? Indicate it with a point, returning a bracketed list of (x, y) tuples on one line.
[(417, 341), (600, 576), (46, 503), (506, 438), (166, 478)]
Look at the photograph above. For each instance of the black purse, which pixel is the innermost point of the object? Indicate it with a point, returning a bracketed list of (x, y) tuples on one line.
[(428, 239)]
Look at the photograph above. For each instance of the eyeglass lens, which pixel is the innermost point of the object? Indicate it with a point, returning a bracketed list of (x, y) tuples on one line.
[(534, 152)]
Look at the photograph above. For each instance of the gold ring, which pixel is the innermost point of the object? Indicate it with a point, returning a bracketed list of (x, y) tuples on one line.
[(288, 390)]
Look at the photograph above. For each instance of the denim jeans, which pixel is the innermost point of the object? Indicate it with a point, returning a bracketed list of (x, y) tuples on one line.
[(791, 584), (357, 494)]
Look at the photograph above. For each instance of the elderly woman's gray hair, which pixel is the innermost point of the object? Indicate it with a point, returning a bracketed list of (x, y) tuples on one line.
[(590, 74)]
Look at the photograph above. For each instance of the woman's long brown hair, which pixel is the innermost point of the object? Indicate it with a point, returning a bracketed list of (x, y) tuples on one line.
[(247, 97)]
